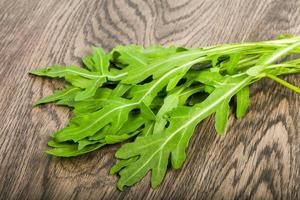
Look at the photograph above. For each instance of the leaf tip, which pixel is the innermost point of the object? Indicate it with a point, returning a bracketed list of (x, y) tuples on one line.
[(120, 185), (155, 184), (119, 153), (37, 72), (35, 104)]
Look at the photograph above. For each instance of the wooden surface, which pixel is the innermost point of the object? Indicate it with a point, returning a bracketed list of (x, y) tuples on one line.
[(259, 158)]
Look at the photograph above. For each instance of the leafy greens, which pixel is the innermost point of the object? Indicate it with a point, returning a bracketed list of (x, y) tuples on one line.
[(153, 98)]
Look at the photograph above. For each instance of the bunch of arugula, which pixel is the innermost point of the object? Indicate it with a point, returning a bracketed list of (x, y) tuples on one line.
[(155, 97)]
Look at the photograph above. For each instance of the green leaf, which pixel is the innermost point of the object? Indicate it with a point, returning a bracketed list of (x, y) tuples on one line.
[(159, 67), (146, 112), (100, 60), (175, 138), (89, 63), (115, 113), (131, 55), (58, 71), (221, 118), (209, 78), (100, 135), (185, 94), (157, 96), (242, 102), (148, 129), (120, 90), (83, 143), (135, 122), (112, 139), (73, 151), (174, 81), (121, 164), (90, 90), (170, 102), (67, 93), (232, 64), (98, 101), (271, 58), (78, 77)]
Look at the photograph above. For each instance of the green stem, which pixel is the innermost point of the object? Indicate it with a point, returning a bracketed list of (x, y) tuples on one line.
[(283, 82)]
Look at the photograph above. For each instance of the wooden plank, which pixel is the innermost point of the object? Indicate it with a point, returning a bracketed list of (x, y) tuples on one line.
[(257, 159)]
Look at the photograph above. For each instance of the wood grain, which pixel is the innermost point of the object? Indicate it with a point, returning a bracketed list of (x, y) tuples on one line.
[(259, 158)]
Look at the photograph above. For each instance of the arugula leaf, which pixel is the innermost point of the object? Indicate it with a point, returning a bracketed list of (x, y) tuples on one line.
[(242, 102), (175, 137), (131, 55), (116, 114), (98, 64), (57, 71), (59, 95), (221, 118), (156, 96), (159, 67), (121, 164), (73, 150), (170, 102)]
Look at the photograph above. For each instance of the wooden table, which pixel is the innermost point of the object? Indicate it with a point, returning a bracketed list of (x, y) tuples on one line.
[(259, 158)]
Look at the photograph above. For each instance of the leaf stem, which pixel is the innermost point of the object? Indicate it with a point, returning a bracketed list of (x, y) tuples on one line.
[(283, 82)]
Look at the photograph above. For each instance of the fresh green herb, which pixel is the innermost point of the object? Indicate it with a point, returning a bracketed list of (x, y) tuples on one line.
[(153, 98)]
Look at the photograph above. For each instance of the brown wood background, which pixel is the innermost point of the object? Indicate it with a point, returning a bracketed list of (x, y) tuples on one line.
[(259, 158)]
